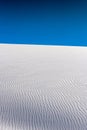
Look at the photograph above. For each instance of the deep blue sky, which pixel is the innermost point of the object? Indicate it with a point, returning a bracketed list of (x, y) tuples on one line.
[(60, 22)]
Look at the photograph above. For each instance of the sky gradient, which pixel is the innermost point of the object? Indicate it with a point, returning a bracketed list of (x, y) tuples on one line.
[(49, 22)]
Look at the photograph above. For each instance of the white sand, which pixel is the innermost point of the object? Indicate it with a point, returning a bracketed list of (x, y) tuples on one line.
[(43, 87)]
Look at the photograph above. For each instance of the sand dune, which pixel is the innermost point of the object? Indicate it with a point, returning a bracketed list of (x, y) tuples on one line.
[(43, 87)]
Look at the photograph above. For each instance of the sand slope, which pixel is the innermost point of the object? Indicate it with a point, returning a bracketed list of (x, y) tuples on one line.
[(43, 87)]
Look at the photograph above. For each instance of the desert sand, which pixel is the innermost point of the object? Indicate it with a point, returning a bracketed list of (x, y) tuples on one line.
[(43, 87)]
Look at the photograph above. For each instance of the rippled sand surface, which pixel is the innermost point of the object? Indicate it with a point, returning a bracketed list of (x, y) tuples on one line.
[(43, 87)]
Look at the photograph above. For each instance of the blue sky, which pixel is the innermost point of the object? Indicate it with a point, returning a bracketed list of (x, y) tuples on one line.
[(44, 22)]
